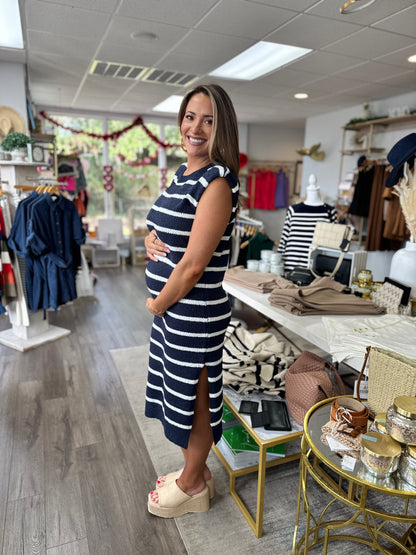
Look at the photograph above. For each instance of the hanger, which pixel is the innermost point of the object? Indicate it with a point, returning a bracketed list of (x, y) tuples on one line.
[(25, 187)]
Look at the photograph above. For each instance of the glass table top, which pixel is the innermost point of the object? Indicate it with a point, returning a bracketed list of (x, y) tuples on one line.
[(317, 419)]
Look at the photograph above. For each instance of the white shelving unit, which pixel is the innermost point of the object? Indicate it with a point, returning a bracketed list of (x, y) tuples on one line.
[(137, 215), (374, 126)]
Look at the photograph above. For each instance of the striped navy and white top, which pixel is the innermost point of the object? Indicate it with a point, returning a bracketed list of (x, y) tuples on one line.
[(191, 333), (298, 232)]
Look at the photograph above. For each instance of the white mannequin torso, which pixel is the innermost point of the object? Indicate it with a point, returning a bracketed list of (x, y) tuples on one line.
[(313, 197)]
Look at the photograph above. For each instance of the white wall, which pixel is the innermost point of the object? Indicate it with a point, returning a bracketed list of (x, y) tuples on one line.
[(12, 88), (273, 143), (327, 130)]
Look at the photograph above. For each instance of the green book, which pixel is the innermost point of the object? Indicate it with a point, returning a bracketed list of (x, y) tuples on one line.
[(238, 440), (228, 419)]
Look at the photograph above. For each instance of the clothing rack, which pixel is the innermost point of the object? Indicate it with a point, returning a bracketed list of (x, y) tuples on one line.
[(251, 221), (29, 329), (288, 166)]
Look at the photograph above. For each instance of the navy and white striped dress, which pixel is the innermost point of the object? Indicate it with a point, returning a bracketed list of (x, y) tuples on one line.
[(191, 333)]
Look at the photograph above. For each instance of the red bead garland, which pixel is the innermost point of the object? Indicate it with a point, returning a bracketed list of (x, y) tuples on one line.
[(148, 160), (115, 135)]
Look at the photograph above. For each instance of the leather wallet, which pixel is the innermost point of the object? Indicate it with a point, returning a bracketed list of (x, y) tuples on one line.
[(248, 407), (260, 419), (278, 414)]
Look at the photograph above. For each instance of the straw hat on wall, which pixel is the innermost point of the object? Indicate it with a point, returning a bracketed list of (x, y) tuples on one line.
[(10, 121)]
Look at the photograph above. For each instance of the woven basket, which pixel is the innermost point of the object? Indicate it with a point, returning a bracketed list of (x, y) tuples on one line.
[(389, 376)]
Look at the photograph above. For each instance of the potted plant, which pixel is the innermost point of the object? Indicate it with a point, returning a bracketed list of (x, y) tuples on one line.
[(16, 143)]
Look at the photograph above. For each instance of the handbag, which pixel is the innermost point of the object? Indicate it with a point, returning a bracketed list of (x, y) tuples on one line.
[(309, 380), (390, 375), (300, 276), (393, 296), (331, 236)]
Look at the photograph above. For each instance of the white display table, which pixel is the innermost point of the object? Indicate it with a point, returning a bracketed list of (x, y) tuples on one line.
[(310, 328)]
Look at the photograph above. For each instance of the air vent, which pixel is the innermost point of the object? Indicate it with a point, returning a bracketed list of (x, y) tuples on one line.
[(121, 71), (149, 75), (168, 77)]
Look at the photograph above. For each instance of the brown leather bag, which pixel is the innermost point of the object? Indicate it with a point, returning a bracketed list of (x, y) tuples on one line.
[(309, 380)]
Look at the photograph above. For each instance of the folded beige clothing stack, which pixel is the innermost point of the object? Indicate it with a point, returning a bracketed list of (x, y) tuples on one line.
[(256, 281), (322, 296)]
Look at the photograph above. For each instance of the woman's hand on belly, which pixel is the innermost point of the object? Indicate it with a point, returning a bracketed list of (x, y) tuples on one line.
[(150, 305), (154, 246)]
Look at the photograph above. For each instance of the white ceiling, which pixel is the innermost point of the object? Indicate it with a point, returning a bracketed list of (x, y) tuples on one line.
[(356, 58)]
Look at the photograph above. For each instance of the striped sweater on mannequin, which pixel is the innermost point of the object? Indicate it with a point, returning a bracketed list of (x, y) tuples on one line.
[(298, 232)]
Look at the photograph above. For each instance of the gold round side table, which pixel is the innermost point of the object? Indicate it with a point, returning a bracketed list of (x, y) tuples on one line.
[(356, 489)]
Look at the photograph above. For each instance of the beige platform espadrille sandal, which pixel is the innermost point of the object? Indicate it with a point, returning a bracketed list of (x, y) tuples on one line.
[(172, 476), (174, 502)]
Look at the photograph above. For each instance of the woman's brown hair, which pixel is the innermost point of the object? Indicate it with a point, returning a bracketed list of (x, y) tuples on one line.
[(223, 144)]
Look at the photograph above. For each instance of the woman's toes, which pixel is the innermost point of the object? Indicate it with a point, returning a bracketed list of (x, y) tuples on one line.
[(154, 496)]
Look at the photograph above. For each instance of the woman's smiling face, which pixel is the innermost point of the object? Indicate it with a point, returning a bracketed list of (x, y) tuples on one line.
[(196, 127)]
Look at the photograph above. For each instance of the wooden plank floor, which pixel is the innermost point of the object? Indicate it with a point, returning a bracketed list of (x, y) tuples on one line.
[(74, 470)]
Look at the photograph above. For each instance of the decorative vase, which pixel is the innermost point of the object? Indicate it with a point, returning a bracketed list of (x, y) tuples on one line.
[(403, 266), (19, 154)]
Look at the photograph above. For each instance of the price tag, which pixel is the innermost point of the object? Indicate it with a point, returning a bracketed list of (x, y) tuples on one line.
[(336, 445), (348, 463)]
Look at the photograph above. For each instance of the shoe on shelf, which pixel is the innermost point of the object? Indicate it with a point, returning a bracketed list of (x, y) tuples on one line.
[(172, 501), (173, 476)]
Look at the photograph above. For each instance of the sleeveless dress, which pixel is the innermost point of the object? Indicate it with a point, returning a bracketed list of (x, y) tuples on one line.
[(191, 333)]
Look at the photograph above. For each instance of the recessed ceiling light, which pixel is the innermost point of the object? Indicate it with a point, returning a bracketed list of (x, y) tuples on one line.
[(170, 104), (301, 96), (144, 35), (10, 25), (352, 6), (412, 59), (260, 59)]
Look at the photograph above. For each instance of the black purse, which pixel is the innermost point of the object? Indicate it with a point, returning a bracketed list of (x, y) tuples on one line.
[(300, 275)]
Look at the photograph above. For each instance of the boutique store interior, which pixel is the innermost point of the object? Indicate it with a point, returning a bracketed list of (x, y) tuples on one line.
[(114, 319)]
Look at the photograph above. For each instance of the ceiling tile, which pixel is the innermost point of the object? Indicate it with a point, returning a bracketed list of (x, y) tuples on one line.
[(253, 21), (105, 85), (290, 78), (312, 32), (403, 23), (399, 58), (180, 12), (331, 84), (375, 12), (121, 28), (111, 52), (57, 45), (65, 20), (369, 43), (323, 63), (406, 80), (94, 5), (188, 63), (296, 5), (45, 70), (212, 48), (370, 71), (367, 92), (261, 88)]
